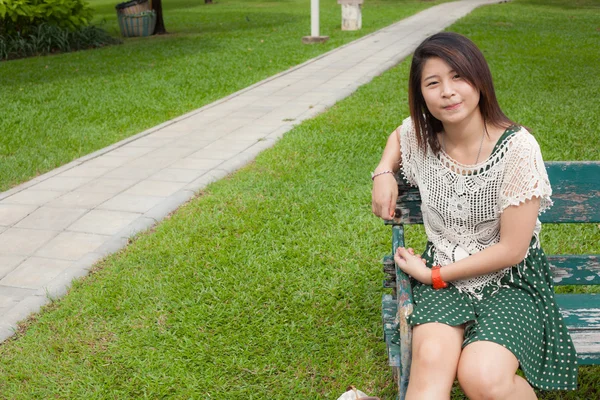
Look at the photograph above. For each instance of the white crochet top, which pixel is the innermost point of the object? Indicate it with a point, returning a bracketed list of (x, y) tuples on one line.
[(462, 204)]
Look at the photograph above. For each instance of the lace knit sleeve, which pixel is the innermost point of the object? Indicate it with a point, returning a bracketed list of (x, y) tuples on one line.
[(409, 150), (525, 174)]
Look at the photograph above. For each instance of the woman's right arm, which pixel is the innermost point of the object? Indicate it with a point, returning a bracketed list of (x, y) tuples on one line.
[(385, 187)]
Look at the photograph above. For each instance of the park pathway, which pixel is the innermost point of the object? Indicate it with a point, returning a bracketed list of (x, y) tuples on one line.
[(56, 226)]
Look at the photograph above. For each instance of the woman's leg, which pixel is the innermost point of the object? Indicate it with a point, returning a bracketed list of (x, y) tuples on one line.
[(487, 370), (435, 353)]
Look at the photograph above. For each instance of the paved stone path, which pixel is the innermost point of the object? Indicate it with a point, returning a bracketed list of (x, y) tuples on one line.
[(56, 226)]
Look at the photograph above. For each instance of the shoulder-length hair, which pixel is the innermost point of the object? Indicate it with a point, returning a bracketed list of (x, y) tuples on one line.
[(466, 59)]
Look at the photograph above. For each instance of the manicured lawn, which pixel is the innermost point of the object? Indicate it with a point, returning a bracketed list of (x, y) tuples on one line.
[(268, 285), (58, 108)]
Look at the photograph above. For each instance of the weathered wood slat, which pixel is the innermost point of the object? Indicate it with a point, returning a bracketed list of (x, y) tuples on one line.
[(580, 311), (408, 212), (390, 274), (404, 309), (575, 269), (587, 344), (575, 191), (388, 265), (391, 333)]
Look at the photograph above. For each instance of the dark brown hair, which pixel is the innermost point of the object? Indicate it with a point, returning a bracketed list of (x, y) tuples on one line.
[(466, 59)]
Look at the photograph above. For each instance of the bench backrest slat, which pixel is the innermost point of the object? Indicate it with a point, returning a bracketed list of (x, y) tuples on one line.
[(575, 269), (575, 192)]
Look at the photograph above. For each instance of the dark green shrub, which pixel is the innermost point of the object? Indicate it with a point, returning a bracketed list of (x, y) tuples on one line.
[(47, 39)]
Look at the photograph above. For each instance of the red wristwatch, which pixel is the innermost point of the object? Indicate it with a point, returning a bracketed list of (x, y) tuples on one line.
[(436, 278)]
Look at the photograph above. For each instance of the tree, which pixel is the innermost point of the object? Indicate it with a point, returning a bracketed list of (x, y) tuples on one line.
[(159, 29)]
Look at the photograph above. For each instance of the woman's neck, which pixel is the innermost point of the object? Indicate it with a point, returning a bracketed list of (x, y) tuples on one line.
[(466, 133), (469, 142)]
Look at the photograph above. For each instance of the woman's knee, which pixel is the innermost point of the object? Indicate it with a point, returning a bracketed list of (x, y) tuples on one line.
[(435, 352), (429, 353), (484, 381), (480, 384), (428, 361), (436, 345)]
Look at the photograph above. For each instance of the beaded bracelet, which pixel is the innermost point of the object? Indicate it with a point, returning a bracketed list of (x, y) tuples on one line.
[(373, 175), (436, 278)]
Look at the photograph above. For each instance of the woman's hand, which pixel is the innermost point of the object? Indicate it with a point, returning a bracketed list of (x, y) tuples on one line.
[(412, 265), (384, 196)]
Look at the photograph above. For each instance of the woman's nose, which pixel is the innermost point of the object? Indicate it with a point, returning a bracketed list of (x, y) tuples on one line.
[(447, 90)]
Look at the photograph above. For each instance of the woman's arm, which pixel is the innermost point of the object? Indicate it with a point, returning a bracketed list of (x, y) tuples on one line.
[(385, 187), (516, 229)]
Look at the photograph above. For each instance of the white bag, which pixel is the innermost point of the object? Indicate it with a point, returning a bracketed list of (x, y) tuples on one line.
[(355, 394)]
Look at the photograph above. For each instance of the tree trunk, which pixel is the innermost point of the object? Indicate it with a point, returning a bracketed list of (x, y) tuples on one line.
[(159, 29)]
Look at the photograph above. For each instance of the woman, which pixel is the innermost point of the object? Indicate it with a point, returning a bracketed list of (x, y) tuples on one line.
[(483, 292)]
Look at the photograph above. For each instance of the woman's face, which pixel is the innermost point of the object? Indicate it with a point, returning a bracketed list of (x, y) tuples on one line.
[(449, 97)]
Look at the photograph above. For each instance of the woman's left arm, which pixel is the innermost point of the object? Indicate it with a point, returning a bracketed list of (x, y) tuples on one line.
[(516, 230)]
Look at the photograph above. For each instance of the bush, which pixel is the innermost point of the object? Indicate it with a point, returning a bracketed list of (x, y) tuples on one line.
[(47, 39), (22, 16)]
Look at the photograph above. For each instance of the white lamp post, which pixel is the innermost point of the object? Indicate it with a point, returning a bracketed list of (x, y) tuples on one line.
[(314, 25)]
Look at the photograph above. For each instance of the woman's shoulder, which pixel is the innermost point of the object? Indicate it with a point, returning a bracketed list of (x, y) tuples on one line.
[(407, 124), (520, 144), (520, 136), (406, 129)]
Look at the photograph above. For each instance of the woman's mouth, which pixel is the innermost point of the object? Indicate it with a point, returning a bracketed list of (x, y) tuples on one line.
[(452, 107)]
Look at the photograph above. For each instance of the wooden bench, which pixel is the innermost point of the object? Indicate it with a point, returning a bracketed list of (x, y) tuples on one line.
[(576, 195)]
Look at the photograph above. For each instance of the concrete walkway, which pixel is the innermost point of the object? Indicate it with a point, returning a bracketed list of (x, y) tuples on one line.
[(56, 226)]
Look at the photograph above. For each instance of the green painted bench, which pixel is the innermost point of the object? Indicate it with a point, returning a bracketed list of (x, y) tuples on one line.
[(576, 195)]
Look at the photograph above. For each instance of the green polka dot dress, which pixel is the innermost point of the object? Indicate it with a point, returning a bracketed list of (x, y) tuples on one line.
[(521, 315), (461, 207)]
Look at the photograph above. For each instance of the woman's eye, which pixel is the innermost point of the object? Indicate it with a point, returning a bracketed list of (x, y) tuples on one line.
[(431, 83), (456, 76)]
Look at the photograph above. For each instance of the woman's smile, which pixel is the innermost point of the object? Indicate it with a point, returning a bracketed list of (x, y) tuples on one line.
[(453, 106)]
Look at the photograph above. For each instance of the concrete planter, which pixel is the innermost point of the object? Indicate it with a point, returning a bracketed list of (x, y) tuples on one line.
[(351, 14)]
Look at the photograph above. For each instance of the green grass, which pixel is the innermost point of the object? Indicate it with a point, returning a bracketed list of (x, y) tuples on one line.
[(268, 285), (58, 108)]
